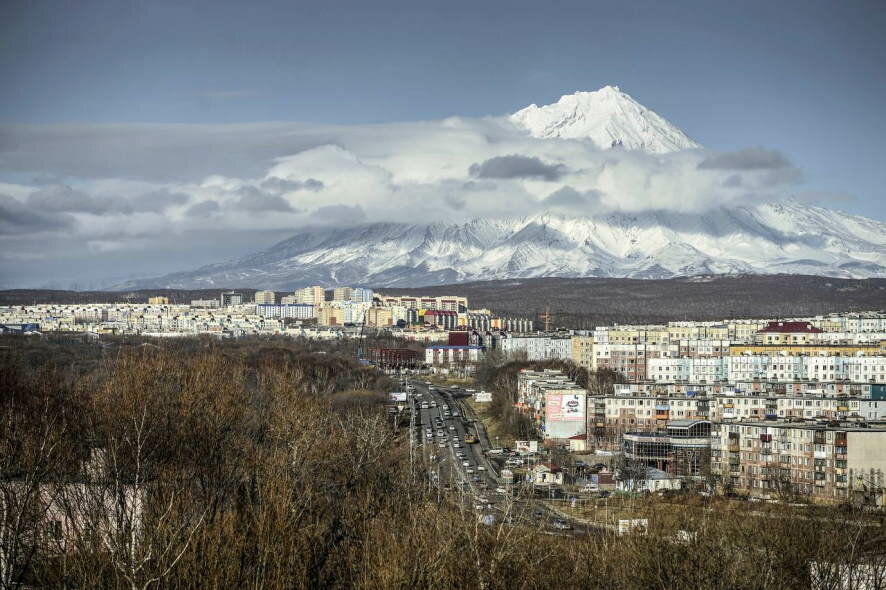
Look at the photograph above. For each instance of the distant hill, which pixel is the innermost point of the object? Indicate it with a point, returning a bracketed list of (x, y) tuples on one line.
[(586, 302)]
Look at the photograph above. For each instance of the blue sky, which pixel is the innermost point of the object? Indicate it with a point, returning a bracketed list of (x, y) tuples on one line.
[(805, 78)]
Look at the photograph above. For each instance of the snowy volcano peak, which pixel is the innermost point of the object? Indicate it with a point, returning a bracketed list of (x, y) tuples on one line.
[(608, 117)]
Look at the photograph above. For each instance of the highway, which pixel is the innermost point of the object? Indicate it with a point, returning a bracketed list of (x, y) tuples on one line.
[(473, 474)]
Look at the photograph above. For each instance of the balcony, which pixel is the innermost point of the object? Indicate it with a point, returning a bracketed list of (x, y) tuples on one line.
[(733, 447)]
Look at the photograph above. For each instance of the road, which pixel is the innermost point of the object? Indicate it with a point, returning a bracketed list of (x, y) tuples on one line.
[(480, 477)]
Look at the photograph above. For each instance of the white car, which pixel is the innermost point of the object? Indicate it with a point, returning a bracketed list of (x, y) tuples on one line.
[(500, 490), (466, 463), (469, 470), (514, 462), (480, 468)]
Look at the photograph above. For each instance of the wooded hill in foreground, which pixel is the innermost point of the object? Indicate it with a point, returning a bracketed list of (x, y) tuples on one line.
[(197, 464)]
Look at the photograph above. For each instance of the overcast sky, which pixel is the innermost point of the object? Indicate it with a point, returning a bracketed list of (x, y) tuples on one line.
[(145, 137)]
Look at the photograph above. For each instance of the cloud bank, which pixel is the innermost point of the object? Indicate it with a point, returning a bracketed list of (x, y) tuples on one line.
[(102, 190)]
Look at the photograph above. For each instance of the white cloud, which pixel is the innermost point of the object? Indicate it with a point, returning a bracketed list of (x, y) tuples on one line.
[(130, 184)]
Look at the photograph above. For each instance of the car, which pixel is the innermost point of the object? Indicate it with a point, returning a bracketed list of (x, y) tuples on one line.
[(480, 468), (476, 478), (515, 462), (495, 451), (501, 490), (469, 470), (483, 499), (466, 463), (562, 525), (442, 445)]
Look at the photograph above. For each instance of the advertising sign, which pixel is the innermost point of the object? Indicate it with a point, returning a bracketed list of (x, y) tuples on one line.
[(565, 407), (483, 397), (397, 396)]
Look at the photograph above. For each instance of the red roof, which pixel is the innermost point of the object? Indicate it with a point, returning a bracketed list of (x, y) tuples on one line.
[(579, 437), (782, 327)]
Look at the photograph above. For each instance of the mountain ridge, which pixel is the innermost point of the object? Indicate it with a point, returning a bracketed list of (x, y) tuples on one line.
[(658, 244)]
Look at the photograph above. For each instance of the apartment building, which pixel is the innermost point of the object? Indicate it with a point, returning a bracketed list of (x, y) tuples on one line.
[(299, 311), (309, 295), (536, 348), (627, 359), (443, 303), (779, 332), (825, 460), (265, 298), (556, 404)]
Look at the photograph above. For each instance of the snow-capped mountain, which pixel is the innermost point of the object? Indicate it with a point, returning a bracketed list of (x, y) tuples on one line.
[(608, 117), (784, 238)]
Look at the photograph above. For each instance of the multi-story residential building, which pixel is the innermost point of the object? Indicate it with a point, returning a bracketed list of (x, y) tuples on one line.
[(265, 298), (301, 311), (310, 295), (362, 295), (817, 349), (556, 404), (446, 319), (230, 298), (583, 351), (343, 294), (788, 333), (160, 300), (443, 303), (536, 348), (205, 303), (342, 312), (825, 460), (627, 359)]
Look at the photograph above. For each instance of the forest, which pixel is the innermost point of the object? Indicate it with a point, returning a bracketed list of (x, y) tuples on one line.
[(212, 464)]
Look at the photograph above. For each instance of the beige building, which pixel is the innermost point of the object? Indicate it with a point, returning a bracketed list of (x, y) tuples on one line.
[(265, 298), (583, 351), (310, 295), (829, 461), (158, 300), (342, 294)]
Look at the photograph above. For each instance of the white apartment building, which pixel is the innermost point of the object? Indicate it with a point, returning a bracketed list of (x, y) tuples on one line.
[(301, 311), (537, 348)]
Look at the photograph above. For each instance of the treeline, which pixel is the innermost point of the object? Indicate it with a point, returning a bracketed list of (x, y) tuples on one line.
[(212, 465)]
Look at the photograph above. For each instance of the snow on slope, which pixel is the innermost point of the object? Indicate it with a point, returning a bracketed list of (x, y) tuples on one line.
[(790, 237), (608, 117)]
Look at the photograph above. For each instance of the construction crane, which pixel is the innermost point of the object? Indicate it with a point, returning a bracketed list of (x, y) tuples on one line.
[(546, 318)]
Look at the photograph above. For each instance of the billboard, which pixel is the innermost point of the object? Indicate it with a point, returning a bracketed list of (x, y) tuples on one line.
[(397, 396), (565, 407), (483, 397)]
